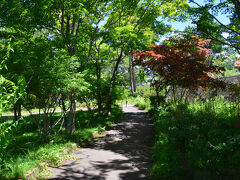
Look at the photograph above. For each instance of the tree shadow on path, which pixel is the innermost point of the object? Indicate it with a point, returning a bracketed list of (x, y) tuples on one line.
[(124, 153)]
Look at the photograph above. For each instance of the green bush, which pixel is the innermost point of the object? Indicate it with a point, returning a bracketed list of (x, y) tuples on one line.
[(143, 103), (196, 141)]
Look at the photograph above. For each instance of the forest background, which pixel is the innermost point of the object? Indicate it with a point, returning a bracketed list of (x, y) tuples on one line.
[(62, 55)]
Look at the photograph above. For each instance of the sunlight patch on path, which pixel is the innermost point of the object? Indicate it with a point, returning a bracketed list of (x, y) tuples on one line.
[(124, 153)]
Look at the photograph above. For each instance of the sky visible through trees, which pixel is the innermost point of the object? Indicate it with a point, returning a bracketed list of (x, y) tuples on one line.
[(182, 25)]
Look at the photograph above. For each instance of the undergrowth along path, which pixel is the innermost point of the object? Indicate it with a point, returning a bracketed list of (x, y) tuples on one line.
[(123, 153)]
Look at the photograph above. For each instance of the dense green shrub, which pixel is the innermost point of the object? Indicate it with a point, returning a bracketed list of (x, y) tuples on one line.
[(196, 141)]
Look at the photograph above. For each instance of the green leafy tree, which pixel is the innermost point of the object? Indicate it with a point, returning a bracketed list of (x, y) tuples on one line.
[(90, 36), (209, 25)]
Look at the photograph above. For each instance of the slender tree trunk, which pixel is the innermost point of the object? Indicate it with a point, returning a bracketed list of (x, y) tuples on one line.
[(17, 111), (109, 102), (70, 122), (63, 110), (99, 84), (112, 81), (70, 126), (99, 102), (132, 74), (46, 126), (92, 40), (39, 123), (186, 97)]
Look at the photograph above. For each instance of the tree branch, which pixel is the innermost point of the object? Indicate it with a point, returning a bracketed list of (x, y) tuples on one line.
[(92, 39), (217, 19), (228, 44), (237, 7)]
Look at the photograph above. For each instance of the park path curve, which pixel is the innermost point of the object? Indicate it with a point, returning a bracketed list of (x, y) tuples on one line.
[(124, 153)]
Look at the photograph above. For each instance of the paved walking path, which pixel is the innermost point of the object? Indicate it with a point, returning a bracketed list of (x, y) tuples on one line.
[(124, 153)]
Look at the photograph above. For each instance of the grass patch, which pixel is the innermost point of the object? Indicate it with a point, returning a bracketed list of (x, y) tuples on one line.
[(22, 150), (141, 102)]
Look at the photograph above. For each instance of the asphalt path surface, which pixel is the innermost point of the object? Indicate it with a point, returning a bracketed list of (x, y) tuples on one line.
[(123, 153)]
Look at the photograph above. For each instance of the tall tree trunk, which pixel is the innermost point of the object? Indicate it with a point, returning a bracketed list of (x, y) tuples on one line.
[(99, 84), (70, 125), (132, 74), (112, 81), (99, 101), (63, 110), (17, 111), (46, 126), (39, 123), (134, 79), (109, 102), (70, 122)]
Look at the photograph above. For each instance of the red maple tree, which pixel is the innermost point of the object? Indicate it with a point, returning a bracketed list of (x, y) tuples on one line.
[(181, 62)]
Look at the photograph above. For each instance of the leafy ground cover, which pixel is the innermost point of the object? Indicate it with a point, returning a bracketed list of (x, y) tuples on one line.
[(196, 141), (22, 149)]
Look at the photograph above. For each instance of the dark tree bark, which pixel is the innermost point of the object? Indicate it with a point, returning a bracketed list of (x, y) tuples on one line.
[(112, 81), (99, 85), (17, 111), (70, 125), (130, 74), (46, 126), (134, 78), (68, 32), (39, 123), (63, 109)]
